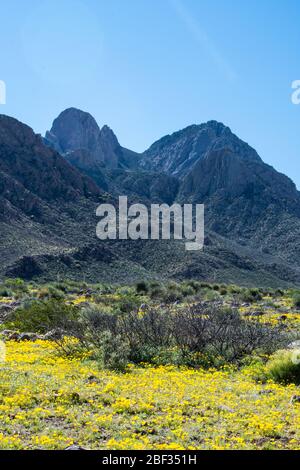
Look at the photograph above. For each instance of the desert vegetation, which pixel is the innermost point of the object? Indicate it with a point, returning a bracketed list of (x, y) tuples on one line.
[(188, 365)]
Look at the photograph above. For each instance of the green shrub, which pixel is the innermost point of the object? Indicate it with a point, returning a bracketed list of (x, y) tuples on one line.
[(16, 282), (284, 367), (113, 352), (153, 284), (42, 316), (279, 292), (16, 285), (4, 292), (172, 295), (187, 290), (125, 291), (147, 333), (157, 292), (142, 287), (128, 303), (234, 289), (296, 300), (205, 285), (50, 292), (250, 295), (210, 295), (95, 321), (196, 285)]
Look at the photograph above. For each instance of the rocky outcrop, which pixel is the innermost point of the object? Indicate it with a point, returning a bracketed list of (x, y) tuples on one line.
[(33, 170), (75, 131), (177, 154)]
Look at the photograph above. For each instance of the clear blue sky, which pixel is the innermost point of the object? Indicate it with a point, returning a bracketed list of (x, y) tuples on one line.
[(150, 67)]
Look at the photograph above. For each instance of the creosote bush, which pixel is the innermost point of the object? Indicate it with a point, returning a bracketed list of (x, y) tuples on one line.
[(222, 335)]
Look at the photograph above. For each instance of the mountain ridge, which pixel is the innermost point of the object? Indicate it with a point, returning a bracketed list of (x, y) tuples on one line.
[(48, 201), (208, 163)]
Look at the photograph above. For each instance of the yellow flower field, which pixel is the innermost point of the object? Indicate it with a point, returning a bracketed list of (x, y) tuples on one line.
[(50, 402)]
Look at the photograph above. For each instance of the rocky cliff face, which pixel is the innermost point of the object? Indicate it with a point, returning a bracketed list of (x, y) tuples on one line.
[(40, 171), (77, 131), (74, 129), (209, 160), (177, 154)]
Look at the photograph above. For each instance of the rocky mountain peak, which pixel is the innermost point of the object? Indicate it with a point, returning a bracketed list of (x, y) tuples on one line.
[(76, 131), (110, 147), (107, 133), (176, 154)]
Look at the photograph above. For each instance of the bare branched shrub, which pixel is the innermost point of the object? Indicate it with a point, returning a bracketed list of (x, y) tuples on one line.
[(207, 328), (203, 330), (147, 333)]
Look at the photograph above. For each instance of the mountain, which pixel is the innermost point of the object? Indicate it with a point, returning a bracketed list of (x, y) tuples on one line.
[(177, 154), (77, 131), (50, 188), (97, 153), (39, 170), (246, 200), (47, 212)]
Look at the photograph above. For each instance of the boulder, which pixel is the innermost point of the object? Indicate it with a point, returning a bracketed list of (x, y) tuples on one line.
[(75, 447)]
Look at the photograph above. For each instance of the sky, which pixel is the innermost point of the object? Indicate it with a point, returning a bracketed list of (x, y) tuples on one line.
[(150, 67)]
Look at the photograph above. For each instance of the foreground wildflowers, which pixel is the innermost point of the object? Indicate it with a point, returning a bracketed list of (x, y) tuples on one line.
[(50, 402)]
